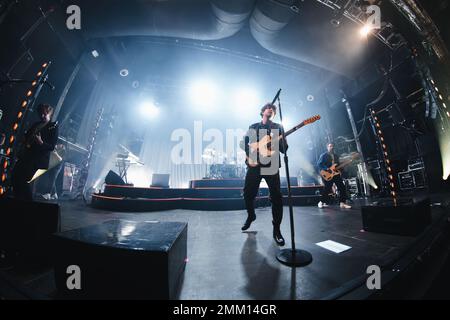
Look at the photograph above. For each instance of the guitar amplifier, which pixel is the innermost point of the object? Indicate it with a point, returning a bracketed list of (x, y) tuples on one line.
[(414, 164), (406, 180)]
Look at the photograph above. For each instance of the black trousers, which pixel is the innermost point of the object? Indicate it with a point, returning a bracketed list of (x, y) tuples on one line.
[(23, 171), (328, 185), (252, 181)]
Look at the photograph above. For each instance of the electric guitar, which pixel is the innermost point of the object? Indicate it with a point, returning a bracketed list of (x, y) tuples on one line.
[(336, 169), (263, 148)]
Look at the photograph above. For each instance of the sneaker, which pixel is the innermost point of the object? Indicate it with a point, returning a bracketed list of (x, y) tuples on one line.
[(345, 206), (322, 205), (47, 196)]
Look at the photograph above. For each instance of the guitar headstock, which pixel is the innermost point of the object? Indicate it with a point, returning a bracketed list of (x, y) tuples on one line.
[(312, 120)]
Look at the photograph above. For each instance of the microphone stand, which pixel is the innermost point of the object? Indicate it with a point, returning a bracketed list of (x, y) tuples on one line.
[(291, 257)]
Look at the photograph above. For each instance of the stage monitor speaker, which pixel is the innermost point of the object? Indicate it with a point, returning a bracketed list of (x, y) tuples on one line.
[(113, 178), (26, 227), (407, 218), (149, 265)]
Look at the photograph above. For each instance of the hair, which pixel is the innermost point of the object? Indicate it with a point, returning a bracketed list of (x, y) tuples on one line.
[(44, 106), (268, 106)]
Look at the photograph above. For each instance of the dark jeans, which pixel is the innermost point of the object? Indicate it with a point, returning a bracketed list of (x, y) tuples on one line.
[(23, 171), (328, 185), (53, 178), (252, 181)]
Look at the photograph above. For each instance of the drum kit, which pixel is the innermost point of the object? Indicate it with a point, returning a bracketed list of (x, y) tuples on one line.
[(220, 166)]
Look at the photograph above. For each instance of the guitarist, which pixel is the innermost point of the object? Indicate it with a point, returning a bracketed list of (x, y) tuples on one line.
[(266, 168), (40, 141), (326, 161)]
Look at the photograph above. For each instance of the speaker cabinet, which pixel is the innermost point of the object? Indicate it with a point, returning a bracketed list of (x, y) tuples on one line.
[(408, 218)]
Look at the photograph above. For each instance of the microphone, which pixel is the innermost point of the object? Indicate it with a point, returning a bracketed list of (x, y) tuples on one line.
[(276, 97)]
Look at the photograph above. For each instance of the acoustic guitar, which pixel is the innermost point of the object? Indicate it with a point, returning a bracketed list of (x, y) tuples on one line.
[(263, 148)]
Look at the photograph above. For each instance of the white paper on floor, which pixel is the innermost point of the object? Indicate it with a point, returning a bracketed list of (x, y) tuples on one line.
[(333, 246)]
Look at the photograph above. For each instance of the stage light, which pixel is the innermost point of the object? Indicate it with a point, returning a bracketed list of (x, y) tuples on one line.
[(246, 99), (436, 88), (382, 139), (380, 132), (204, 93), (95, 53), (19, 115), (24, 104), (391, 177), (39, 74), (432, 81), (2, 191), (441, 97), (4, 176), (378, 125), (445, 106), (448, 114), (124, 73), (149, 109), (45, 65), (365, 30), (29, 93), (11, 139), (384, 146), (34, 83), (15, 126), (8, 151)]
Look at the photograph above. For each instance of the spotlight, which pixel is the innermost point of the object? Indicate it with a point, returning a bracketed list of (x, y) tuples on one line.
[(365, 30), (432, 81), (29, 93), (436, 88), (39, 73), (203, 93), (95, 54), (246, 99), (24, 104), (149, 110), (310, 98), (441, 97), (124, 73), (448, 114), (444, 105)]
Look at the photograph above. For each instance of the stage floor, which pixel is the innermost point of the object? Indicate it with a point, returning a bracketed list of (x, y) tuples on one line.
[(226, 263)]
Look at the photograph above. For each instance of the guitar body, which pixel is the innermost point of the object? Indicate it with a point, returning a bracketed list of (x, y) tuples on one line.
[(327, 176), (261, 149), (336, 169)]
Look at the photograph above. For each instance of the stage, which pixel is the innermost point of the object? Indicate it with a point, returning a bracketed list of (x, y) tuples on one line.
[(226, 263)]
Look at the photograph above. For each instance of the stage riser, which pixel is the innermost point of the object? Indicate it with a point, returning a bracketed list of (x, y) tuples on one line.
[(136, 205), (146, 193)]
